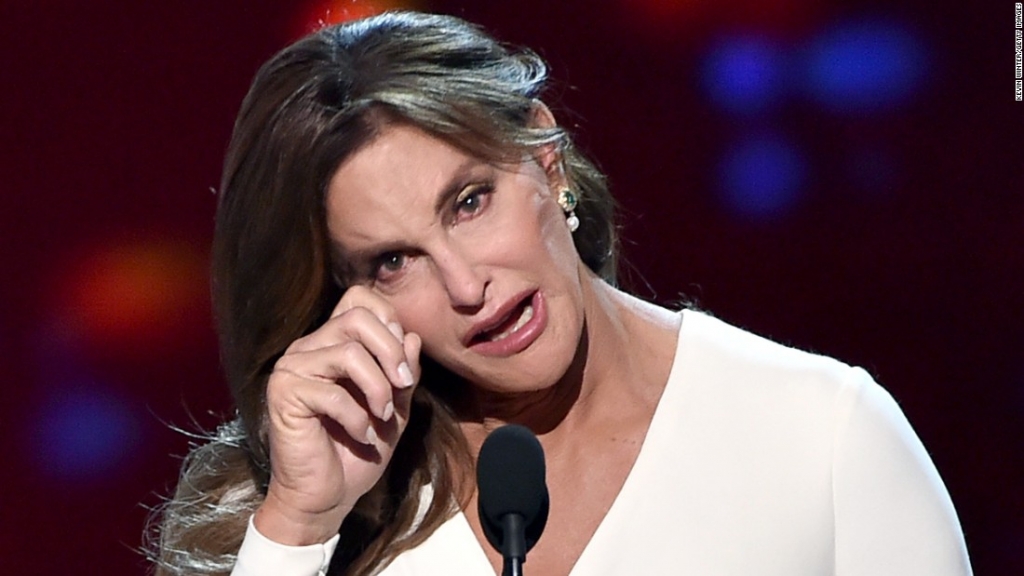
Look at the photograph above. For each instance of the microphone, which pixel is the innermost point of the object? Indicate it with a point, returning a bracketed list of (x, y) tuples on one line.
[(513, 495)]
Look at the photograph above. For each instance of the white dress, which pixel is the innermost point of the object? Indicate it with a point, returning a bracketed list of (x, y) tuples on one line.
[(760, 460)]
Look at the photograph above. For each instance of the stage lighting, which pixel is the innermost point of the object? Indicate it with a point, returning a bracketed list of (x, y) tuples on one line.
[(762, 177)]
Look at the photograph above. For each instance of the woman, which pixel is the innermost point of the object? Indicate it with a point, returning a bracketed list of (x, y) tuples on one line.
[(411, 253)]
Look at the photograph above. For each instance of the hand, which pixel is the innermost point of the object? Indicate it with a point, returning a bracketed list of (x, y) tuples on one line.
[(338, 401)]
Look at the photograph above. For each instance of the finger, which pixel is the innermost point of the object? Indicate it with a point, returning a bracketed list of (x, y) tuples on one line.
[(363, 297), (403, 396), (409, 369), (411, 345), (305, 399), (360, 325), (344, 363)]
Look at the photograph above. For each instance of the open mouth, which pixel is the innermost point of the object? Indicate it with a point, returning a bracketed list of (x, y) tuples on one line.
[(509, 325)]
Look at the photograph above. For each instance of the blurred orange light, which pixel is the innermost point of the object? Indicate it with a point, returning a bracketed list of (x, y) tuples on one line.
[(320, 13), (136, 293)]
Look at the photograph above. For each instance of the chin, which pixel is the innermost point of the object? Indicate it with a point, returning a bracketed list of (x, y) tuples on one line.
[(536, 369)]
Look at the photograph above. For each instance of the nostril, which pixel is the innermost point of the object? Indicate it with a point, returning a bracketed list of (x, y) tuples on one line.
[(467, 292), (468, 310)]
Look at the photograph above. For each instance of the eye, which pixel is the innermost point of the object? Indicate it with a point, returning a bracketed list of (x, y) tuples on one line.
[(472, 200), (470, 204), (388, 266)]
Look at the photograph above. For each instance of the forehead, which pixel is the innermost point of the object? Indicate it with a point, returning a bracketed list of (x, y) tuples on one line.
[(399, 157), (391, 184)]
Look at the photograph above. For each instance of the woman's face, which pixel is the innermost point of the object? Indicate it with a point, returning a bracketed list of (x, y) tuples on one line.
[(476, 258)]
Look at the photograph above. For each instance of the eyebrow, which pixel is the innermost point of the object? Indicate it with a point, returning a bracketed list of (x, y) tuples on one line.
[(458, 182)]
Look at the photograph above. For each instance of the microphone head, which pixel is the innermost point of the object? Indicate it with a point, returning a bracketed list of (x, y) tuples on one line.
[(510, 475)]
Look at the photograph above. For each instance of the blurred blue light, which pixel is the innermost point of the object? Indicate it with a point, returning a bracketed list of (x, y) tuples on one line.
[(865, 65), (84, 432), (744, 75), (762, 177)]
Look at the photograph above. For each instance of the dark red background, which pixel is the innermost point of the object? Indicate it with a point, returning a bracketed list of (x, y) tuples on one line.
[(115, 117)]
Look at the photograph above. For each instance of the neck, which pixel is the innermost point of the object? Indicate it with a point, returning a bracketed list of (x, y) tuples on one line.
[(613, 358)]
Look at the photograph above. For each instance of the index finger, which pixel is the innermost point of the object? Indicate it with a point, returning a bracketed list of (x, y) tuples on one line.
[(363, 297)]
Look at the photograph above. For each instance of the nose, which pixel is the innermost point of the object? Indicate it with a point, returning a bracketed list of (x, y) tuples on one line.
[(465, 283)]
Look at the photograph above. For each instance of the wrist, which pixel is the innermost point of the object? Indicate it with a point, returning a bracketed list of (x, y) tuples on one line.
[(293, 527)]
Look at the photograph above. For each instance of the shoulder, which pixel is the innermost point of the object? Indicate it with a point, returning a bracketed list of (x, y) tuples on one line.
[(757, 391), (714, 355), (709, 339)]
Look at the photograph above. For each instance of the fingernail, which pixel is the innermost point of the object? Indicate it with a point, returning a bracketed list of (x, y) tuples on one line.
[(389, 411), (396, 329), (371, 435), (406, 375)]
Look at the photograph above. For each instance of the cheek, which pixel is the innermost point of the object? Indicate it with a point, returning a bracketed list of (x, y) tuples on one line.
[(427, 312), (532, 234), (420, 313), (558, 239)]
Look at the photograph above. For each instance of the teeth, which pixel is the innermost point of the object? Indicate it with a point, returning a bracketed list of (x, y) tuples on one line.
[(523, 319)]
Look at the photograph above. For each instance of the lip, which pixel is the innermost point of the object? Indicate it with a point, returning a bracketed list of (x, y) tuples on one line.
[(497, 317), (522, 338)]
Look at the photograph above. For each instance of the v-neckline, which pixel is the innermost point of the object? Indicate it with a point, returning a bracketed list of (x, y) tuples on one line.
[(622, 498)]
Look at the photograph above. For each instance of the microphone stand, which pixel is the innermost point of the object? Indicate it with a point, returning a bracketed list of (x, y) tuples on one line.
[(514, 548), (513, 567)]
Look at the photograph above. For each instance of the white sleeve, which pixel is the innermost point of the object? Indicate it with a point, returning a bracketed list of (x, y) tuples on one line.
[(261, 556), (893, 514)]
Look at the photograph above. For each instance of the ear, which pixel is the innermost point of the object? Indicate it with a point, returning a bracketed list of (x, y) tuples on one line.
[(548, 156)]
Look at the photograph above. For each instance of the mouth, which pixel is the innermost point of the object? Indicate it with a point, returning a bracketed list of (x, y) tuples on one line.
[(508, 324), (512, 328)]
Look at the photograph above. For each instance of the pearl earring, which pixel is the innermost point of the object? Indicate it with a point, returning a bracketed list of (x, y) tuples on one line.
[(567, 200)]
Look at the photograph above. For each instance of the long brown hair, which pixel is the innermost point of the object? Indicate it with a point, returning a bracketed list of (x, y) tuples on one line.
[(274, 275)]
